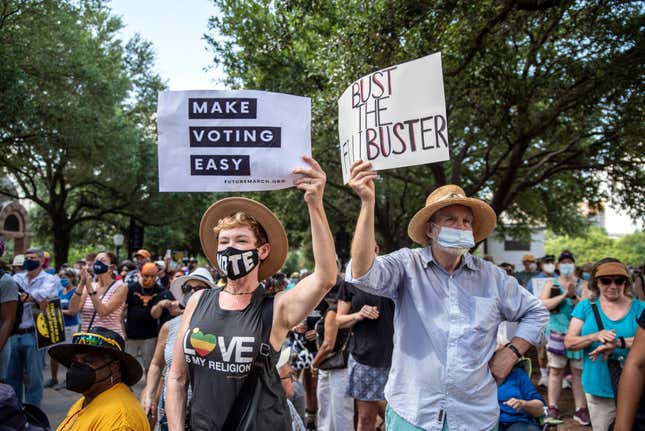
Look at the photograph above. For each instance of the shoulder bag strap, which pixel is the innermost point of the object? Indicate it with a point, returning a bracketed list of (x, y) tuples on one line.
[(101, 298), (594, 307)]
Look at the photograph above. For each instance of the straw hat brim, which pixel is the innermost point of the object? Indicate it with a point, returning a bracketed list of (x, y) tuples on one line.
[(131, 370), (276, 234), (484, 216)]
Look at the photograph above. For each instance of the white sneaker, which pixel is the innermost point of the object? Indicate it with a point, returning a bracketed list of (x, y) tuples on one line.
[(566, 384), (544, 381)]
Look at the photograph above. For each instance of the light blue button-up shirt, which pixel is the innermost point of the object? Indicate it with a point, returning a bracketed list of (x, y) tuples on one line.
[(43, 287), (445, 328)]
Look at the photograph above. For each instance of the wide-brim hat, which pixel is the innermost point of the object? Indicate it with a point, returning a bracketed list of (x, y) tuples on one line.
[(484, 221), (274, 230), (99, 340), (200, 274), (612, 268)]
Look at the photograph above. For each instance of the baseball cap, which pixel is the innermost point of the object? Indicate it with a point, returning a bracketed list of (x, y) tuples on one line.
[(548, 257), (143, 253), (566, 255)]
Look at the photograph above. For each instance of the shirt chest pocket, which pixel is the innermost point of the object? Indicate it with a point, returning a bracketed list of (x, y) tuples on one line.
[(483, 313), (481, 318)]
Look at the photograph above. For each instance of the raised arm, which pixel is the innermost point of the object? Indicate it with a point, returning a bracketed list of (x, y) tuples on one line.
[(115, 301), (80, 291), (293, 306), (362, 251), (551, 303), (177, 379)]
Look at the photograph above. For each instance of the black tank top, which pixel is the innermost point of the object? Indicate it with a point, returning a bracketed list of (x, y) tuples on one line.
[(219, 348)]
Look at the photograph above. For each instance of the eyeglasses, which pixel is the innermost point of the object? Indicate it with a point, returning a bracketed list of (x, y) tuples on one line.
[(618, 281), (291, 376)]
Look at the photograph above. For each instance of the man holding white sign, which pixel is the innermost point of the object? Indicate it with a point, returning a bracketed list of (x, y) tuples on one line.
[(395, 117), (449, 305), (231, 140)]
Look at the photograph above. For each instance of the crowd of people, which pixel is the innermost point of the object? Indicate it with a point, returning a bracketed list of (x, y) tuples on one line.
[(426, 338)]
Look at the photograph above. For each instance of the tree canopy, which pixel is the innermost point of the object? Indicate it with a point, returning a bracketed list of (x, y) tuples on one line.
[(76, 122), (542, 96)]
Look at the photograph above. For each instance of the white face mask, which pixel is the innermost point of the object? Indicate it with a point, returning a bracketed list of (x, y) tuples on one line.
[(549, 268), (532, 267)]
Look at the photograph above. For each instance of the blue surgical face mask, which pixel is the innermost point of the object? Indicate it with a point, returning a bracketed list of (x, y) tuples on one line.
[(567, 269), (455, 238), (31, 264), (586, 276), (100, 267), (64, 282)]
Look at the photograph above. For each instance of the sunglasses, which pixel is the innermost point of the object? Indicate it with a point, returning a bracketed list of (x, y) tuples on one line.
[(618, 281)]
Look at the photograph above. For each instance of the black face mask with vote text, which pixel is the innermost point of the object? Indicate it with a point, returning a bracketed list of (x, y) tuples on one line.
[(234, 263)]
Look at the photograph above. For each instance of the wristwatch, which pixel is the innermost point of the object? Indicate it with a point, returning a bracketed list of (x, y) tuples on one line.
[(513, 349)]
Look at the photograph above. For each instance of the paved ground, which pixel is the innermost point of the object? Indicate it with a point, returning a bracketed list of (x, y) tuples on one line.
[(57, 402)]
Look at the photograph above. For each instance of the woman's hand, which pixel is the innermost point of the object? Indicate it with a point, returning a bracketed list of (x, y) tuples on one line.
[(311, 335), (83, 278), (312, 181), (146, 401), (300, 328), (515, 404), (605, 336), (605, 350), (368, 312)]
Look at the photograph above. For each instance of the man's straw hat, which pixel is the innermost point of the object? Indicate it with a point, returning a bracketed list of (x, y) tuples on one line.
[(484, 217)]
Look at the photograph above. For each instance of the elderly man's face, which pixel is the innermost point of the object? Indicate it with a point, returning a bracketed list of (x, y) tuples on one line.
[(453, 216), (287, 377)]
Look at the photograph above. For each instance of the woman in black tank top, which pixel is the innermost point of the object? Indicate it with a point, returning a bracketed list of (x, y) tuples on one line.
[(230, 338)]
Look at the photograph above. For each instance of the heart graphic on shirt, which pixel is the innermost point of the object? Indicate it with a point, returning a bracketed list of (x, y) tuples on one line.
[(202, 343)]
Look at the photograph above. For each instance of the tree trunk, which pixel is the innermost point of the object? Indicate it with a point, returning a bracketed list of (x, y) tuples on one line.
[(62, 238)]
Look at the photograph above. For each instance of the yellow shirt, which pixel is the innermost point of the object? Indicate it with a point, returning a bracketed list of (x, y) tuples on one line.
[(115, 409)]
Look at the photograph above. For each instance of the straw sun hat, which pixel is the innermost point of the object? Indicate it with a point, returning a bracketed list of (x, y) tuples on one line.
[(484, 217), (276, 234)]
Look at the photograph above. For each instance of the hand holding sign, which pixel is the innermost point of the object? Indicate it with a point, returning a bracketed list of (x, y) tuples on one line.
[(312, 181), (362, 180)]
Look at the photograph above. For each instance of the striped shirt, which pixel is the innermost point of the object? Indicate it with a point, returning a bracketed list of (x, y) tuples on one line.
[(113, 320)]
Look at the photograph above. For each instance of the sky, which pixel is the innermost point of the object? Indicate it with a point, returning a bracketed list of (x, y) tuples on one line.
[(176, 29)]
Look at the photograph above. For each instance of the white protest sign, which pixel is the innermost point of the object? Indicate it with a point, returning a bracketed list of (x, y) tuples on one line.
[(395, 117), (538, 285), (215, 141)]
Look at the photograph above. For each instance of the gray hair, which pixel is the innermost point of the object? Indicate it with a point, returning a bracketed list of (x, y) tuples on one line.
[(37, 251)]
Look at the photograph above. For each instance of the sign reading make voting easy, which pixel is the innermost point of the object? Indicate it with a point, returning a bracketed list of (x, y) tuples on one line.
[(395, 117), (231, 140)]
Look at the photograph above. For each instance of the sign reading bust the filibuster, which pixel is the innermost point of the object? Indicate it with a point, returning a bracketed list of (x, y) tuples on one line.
[(395, 117), (212, 141)]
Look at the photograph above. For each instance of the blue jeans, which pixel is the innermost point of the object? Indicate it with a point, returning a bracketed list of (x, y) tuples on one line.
[(5, 354), (25, 356)]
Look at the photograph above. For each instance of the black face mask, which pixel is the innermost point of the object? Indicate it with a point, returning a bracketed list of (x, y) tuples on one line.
[(234, 263), (81, 377)]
